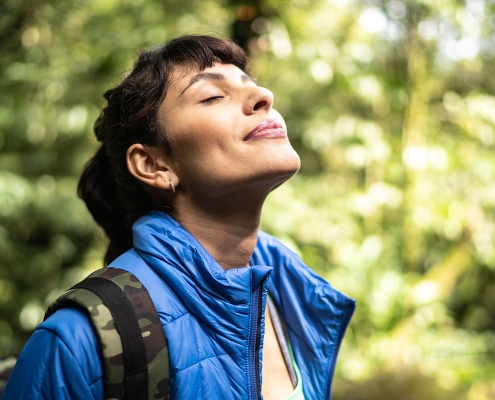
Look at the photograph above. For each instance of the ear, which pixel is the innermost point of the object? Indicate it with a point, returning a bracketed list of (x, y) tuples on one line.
[(148, 165)]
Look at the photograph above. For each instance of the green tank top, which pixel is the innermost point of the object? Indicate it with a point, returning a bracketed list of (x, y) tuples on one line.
[(297, 394)]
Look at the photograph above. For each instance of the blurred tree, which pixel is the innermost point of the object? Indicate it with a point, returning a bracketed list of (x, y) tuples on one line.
[(390, 105), (58, 59)]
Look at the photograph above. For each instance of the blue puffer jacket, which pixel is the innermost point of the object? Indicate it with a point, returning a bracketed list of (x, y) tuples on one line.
[(213, 320)]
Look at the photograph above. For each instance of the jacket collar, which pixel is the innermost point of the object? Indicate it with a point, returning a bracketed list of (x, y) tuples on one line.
[(176, 256)]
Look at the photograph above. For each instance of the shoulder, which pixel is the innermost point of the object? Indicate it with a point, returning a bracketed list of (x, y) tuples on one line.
[(74, 339), (73, 328), (293, 279), (60, 360), (272, 252), (268, 246), (167, 303)]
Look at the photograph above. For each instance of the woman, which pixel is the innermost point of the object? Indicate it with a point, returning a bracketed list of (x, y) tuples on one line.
[(191, 147)]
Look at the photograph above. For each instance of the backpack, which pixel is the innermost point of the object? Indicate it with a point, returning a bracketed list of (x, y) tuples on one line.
[(131, 338)]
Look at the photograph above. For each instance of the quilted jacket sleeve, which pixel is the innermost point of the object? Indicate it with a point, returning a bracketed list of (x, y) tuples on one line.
[(60, 361)]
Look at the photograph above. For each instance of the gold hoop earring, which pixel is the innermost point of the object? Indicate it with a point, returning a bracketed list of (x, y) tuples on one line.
[(173, 187)]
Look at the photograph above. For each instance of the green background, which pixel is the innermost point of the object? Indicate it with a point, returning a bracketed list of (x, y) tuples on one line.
[(391, 106)]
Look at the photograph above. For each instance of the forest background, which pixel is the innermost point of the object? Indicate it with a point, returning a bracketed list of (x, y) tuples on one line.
[(391, 106)]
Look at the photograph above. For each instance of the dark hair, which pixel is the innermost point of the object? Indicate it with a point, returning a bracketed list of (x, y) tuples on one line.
[(113, 196)]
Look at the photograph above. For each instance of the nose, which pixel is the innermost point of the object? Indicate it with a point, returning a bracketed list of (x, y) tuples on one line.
[(259, 99)]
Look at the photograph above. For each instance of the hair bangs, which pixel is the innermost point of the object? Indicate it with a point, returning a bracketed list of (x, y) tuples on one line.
[(201, 52)]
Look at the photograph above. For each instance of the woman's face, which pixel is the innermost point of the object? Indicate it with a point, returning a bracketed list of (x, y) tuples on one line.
[(224, 134)]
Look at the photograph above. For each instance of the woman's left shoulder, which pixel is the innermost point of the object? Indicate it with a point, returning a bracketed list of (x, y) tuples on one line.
[(269, 244)]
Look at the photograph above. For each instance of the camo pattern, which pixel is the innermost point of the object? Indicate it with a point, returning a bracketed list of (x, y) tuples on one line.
[(111, 345)]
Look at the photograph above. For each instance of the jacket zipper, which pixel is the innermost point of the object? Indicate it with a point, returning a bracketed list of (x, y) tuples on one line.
[(255, 342)]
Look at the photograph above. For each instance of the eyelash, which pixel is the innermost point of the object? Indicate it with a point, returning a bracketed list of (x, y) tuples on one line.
[(212, 99)]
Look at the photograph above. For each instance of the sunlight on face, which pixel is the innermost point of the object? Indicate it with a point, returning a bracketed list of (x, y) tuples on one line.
[(225, 134)]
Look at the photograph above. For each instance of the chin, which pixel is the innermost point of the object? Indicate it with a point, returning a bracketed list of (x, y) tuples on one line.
[(288, 160), (282, 167)]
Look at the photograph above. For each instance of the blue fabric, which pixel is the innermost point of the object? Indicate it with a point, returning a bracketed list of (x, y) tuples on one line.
[(210, 316)]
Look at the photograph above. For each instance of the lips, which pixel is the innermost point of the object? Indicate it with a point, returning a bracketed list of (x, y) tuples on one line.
[(267, 129)]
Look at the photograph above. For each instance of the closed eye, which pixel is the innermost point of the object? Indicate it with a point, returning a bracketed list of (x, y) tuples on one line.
[(212, 99)]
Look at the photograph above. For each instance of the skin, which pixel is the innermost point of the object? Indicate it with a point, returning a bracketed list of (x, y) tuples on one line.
[(221, 179)]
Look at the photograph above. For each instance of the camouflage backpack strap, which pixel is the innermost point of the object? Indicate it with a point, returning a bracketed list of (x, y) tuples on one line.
[(133, 344)]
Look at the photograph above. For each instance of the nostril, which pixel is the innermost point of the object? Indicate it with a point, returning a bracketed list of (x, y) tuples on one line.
[(260, 104)]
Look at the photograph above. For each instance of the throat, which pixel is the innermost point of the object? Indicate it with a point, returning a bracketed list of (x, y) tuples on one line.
[(231, 243)]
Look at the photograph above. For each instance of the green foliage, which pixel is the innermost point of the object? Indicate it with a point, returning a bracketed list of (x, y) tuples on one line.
[(390, 106)]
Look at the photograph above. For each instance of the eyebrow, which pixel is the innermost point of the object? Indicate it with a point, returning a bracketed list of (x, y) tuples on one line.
[(212, 76)]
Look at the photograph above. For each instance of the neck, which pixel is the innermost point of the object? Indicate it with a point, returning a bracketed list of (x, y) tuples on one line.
[(227, 231)]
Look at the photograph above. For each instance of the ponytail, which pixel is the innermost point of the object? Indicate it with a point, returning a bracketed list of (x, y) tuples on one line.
[(97, 188)]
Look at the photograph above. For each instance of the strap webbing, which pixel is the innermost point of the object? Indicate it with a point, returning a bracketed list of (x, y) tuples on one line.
[(283, 337), (134, 353)]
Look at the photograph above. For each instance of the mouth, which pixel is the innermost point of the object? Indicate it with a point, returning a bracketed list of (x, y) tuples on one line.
[(267, 129)]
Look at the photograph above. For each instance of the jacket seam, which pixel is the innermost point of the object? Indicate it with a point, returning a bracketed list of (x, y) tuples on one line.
[(44, 374), (203, 359), (175, 319), (69, 350), (164, 261), (156, 258), (200, 369)]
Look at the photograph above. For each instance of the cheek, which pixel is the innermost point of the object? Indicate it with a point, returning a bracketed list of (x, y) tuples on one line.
[(205, 133), (192, 149), (204, 139)]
